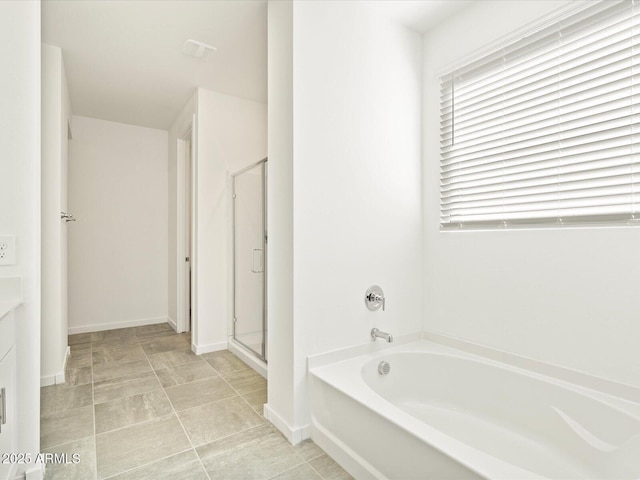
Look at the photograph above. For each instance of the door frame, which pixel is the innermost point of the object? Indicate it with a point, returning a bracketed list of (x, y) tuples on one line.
[(182, 268), (263, 354)]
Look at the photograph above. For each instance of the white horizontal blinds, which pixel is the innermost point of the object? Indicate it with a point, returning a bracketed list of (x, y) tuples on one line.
[(547, 129)]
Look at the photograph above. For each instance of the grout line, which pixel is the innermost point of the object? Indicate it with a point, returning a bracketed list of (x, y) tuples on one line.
[(314, 470), (146, 464), (93, 412), (177, 417), (193, 447)]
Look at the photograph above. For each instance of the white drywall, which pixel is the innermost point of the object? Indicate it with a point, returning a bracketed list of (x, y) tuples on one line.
[(356, 202), (179, 128), (20, 198), (231, 134), (56, 112), (280, 214), (118, 246), (563, 296)]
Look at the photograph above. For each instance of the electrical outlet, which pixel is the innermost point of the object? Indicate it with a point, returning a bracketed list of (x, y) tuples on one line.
[(7, 250)]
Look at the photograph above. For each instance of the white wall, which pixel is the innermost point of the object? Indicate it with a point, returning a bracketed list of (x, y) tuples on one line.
[(356, 183), (20, 194), (231, 134), (179, 128), (56, 112), (567, 297), (280, 213), (118, 246)]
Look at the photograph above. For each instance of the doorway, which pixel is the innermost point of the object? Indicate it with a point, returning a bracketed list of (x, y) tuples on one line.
[(249, 193), (186, 258)]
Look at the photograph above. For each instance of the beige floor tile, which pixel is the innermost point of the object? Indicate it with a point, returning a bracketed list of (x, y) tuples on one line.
[(77, 376), (120, 387), (80, 467), (246, 381), (258, 453), (126, 448), (257, 400), (308, 450), (183, 466), (301, 472), (131, 410), (225, 362), (58, 398), (110, 371), (213, 421), (173, 358), (80, 338), (329, 469), (115, 353), (66, 426), (80, 349), (114, 342), (115, 334), (79, 360), (155, 330), (164, 344), (198, 393), (187, 373)]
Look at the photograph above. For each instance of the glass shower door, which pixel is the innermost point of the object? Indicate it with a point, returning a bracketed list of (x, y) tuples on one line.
[(249, 254)]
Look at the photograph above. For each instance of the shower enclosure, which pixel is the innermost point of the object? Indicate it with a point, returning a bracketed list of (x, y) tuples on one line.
[(249, 188)]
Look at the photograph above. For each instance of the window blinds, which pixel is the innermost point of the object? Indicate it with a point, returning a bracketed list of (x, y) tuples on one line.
[(546, 130)]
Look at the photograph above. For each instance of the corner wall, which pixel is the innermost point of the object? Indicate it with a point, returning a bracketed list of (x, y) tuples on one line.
[(56, 112), (231, 134), (564, 296), (118, 194), (20, 189), (356, 186)]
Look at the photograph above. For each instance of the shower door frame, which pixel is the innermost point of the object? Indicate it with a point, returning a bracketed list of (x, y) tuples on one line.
[(261, 355)]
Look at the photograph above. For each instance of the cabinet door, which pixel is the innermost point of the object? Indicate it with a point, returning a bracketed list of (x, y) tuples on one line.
[(8, 430)]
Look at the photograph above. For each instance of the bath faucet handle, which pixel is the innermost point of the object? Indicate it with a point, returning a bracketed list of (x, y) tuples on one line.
[(374, 298)]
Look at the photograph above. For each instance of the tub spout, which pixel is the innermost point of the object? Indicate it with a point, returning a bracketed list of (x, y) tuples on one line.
[(375, 333)]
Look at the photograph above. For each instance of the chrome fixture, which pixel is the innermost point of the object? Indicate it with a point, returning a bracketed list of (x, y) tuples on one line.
[(384, 368), (374, 298), (375, 333), (67, 217)]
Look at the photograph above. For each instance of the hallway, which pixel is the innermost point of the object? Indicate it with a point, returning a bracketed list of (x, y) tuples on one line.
[(139, 404)]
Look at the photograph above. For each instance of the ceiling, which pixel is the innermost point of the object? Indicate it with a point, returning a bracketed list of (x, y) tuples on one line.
[(124, 62), (419, 15)]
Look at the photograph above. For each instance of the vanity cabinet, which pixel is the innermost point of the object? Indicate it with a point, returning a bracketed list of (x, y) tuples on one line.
[(8, 428)]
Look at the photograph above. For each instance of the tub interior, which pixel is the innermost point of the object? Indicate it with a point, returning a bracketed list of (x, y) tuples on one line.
[(542, 427)]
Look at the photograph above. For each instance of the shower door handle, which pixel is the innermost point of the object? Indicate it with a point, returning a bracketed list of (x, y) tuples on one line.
[(260, 263)]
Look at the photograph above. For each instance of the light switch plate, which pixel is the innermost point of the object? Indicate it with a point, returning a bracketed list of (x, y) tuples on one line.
[(7, 249)]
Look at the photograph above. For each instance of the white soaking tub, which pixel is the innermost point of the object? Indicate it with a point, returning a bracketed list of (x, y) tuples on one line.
[(444, 413)]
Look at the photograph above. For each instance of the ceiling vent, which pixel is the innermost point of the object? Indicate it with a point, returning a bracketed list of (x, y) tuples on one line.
[(196, 49)]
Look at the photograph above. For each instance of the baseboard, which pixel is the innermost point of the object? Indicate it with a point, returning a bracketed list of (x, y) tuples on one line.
[(57, 378), (172, 323), (294, 434), (98, 327), (67, 354), (212, 347), (35, 473)]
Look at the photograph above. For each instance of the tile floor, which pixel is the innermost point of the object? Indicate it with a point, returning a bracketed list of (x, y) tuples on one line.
[(138, 404)]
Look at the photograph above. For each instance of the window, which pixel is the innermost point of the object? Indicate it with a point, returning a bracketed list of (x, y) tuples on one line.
[(546, 130)]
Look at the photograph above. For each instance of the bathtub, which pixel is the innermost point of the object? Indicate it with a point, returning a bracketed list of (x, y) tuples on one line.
[(444, 413)]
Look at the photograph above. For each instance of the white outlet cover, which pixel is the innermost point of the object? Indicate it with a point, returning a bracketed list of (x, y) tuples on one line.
[(7, 249)]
